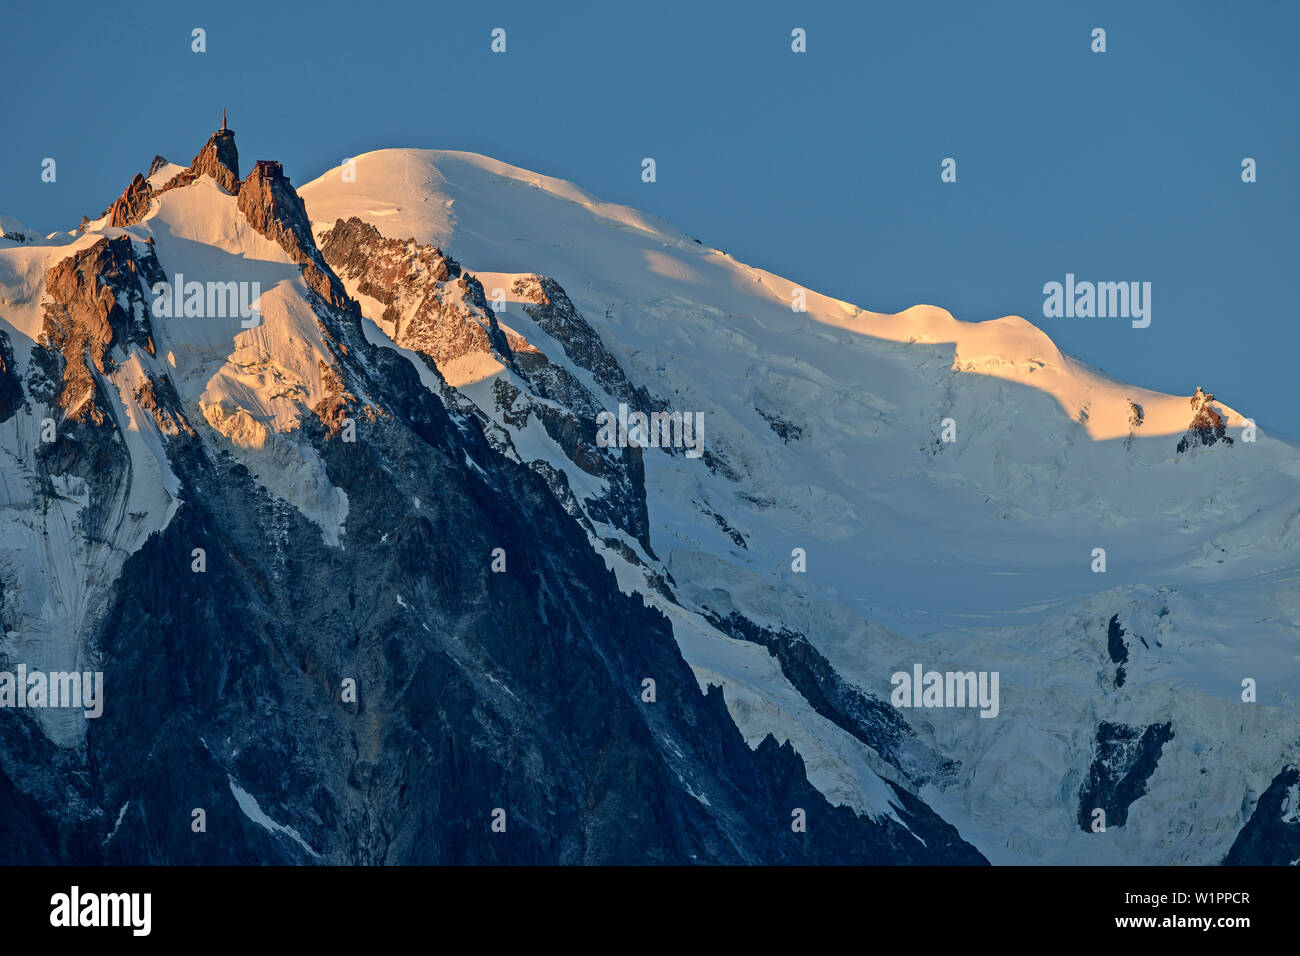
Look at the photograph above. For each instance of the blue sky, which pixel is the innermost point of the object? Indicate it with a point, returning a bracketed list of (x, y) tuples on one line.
[(822, 166)]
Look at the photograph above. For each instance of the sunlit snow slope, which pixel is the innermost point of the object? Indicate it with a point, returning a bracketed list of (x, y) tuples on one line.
[(825, 428)]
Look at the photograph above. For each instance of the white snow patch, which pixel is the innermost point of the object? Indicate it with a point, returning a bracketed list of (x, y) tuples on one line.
[(121, 815), (248, 804)]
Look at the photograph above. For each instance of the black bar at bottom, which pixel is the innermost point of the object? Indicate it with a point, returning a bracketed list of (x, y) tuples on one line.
[(217, 905)]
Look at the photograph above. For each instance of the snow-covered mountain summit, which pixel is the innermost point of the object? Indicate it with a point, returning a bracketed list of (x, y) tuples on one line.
[(391, 441), (825, 432)]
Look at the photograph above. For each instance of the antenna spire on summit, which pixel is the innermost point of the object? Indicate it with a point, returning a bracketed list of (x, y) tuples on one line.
[(223, 118)]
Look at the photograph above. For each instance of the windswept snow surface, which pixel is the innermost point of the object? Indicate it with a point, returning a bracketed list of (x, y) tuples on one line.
[(976, 554)]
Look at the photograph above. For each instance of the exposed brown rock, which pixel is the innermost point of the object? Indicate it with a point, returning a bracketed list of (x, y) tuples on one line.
[(85, 318), (357, 249), (275, 210), (439, 312), (273, 207), (415, 283), (337, 403), (160, 400), (132, 205), (219, 159), (1208, 426)]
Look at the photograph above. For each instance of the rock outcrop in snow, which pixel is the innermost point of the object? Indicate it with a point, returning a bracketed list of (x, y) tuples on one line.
[(219, 159), (1207, 426), (1272, 837)]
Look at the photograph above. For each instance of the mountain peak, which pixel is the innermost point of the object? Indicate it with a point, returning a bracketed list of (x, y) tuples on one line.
[(273, 207), (349, 395), (1207, 425), (219, 158)]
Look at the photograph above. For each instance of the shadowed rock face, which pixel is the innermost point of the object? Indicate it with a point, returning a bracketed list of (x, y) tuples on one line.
[(1125, 759), (1117, 647), (474, 690), (547, 304), (1272, 835), (550, 307), (11, 389), (521, 693), (868, 718)]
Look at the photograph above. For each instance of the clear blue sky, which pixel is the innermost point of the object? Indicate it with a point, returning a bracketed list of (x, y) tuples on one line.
[(823, 166)]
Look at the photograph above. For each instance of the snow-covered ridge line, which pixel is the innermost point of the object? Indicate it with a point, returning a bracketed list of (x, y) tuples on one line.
[(831, 534), (978, 553), (1008, 347)]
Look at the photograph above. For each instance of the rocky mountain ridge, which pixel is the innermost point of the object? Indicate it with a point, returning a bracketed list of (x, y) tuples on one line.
[(278, 696)]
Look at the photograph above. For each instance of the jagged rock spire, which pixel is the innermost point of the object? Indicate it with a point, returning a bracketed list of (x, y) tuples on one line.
[(1207, 426), (219, 158)]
